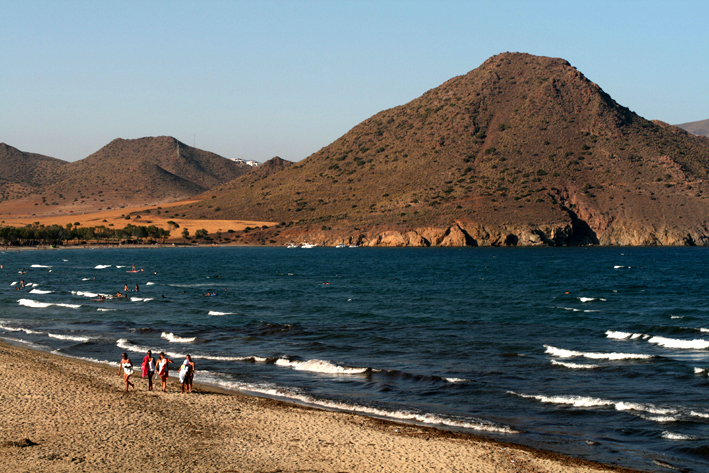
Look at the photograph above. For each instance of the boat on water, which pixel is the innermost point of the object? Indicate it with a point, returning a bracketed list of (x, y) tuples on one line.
[(308, 245), (340, 245), (292, 245)]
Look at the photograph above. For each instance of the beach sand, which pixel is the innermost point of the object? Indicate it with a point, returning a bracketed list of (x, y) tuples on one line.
[(77, 417)]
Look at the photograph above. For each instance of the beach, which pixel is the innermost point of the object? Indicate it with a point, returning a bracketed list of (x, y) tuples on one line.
[(64, 414)]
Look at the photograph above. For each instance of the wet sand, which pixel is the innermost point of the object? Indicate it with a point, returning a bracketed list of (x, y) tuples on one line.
[(77, 416)]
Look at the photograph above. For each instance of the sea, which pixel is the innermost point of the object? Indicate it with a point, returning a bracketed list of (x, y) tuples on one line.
[(598, 353)]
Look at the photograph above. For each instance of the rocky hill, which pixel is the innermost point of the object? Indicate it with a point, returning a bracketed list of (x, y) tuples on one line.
[(22, 173), (700, 128), (132, 172), (523, 150)]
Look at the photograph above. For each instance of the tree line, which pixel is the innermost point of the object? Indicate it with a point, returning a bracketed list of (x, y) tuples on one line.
[(37, 234)]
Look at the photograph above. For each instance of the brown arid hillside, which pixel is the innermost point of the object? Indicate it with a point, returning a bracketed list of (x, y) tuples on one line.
[(145, 171), (523, 150), (700, 128), (22, 173)]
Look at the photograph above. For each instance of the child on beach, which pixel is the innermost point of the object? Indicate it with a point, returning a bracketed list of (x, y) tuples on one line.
[(127, 368)]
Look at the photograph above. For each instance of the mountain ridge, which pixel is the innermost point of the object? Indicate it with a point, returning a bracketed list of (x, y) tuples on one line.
[(521, 150)]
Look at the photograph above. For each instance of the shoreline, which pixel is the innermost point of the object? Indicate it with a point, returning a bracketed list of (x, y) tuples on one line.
[(77, 416)]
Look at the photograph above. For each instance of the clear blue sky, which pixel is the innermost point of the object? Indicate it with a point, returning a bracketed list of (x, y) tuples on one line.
[(285, 78)]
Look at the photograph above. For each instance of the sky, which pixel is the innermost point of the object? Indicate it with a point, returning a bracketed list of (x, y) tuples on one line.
[(258, 79)]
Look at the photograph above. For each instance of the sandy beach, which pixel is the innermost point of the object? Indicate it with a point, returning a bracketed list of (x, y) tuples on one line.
[(63, 414)]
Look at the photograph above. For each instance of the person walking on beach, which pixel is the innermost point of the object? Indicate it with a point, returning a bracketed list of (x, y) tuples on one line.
[(149, 369), (186, 374), (127, 368), (163, 369)]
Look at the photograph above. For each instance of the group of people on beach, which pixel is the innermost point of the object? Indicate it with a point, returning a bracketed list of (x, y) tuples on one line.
[(162, 366)]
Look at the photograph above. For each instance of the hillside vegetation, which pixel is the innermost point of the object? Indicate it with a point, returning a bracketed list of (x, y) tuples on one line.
[(522, 150)]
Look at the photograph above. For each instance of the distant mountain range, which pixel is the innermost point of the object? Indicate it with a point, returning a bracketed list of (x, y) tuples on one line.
[(523, 150), (700, 128), (140, 171)]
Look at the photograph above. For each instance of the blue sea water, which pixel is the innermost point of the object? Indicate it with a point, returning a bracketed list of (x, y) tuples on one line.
[(600, 353)]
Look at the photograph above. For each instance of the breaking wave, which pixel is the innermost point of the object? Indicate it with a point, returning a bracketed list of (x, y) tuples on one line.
[(562, 353)]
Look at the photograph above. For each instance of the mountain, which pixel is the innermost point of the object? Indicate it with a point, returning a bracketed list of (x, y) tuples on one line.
[(523, 150), (24, 173), (700, 128), (141, 171)]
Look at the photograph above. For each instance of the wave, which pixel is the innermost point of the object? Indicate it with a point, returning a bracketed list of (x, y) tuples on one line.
[(697, 344), (88, 294), (705, 330), (320, 366), (675, 436), (659, 414), (175, 339), (574, 366), (699, 370), (624, 335), (141, 299), (214, 312), (19, 329), (406, 416), (149, 283), (562, 353), (40, 305), (39, 266), (102, 266), (456, 380), (591, 299), (105, 310), (128, 346), (702, 415), (69, 337), (39, 291)]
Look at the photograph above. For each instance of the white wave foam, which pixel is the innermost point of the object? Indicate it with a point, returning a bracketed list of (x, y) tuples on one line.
[(430, 419), (570, 309), (675, 436), (677, 316), (703, 415), (119, 267), (456, 380), (659, 414), (141, 299), (87, 294), (697, 344), (39, 291), (19, 329), (649, 408), (149, 283), (699, 370), (126, 345), (39, 266), (562, 353), (13, 283), (574, 366), (102, 266), (618, 267), (214, 312), (623, 335), (705, 330), (591, 299), (31, 303), (319, 366), (105, 310), (576, 401), (175, 339), (69, 337)]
